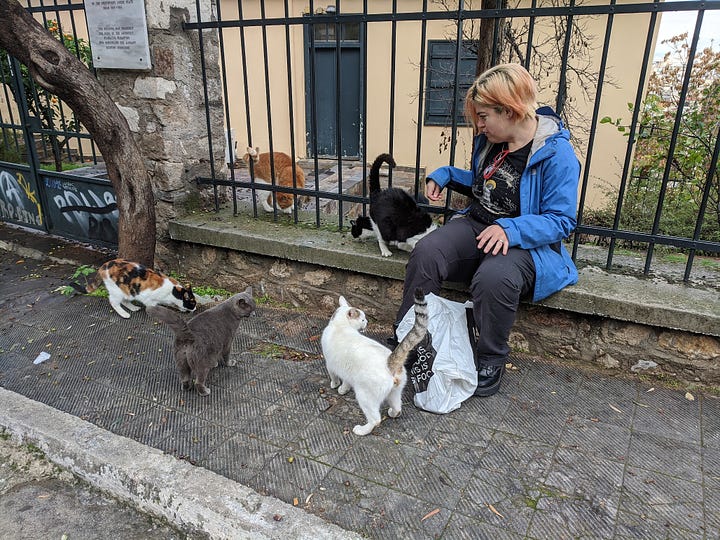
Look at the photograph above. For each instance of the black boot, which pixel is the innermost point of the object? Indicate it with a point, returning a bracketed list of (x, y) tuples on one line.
[(489, 379)]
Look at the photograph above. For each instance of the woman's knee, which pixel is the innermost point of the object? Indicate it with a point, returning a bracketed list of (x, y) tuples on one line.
[(426, 255), (491, 281)]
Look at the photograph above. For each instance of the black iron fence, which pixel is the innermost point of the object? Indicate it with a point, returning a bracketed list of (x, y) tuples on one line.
[(581, 53), (52, 177), (334, 85)]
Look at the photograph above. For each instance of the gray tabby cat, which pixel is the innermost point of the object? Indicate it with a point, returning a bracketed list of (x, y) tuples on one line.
[(206, 339), (373, 371)]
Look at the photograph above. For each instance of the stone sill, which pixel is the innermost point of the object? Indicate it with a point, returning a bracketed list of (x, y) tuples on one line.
[(653, 302)]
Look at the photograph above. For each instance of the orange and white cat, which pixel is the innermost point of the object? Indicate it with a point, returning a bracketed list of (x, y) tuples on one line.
[(284, 167), (126, 281)]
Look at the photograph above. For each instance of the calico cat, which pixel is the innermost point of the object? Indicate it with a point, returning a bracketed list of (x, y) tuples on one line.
[(373, 371), (395, 217), (284, 167), (126, 281), (206, 339)]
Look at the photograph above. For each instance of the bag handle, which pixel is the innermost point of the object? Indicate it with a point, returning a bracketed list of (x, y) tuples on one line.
[(472, 332)]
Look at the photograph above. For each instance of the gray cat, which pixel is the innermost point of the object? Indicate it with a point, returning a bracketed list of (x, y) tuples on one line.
[(205, 340)]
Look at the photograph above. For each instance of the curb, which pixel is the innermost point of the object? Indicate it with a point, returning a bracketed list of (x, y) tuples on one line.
[(190, 498)]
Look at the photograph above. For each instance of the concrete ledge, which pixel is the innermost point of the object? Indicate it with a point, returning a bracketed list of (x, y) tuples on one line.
[(192, 498), (626, 298)]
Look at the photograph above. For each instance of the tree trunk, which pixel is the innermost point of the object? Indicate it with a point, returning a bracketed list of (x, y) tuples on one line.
[(54, 68), (487, 33)]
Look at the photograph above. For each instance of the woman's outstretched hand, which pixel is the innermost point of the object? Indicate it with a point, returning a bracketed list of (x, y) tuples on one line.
[(432, 190)]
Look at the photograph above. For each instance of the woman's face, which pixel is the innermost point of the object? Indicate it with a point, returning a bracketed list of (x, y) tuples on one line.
[(496, 125)]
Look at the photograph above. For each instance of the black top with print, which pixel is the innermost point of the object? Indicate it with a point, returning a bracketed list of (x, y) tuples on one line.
[(499, 195)]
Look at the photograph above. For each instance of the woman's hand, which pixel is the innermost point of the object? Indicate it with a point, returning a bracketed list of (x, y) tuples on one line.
[(432, 190), (493, 238)]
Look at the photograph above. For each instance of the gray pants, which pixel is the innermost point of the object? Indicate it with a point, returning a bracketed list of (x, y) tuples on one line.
[(497, 282)]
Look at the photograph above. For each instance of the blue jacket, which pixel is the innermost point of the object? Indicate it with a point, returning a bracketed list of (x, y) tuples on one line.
[(548, 201)]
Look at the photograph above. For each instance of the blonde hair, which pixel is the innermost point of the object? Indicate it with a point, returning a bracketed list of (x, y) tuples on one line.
[(505, 86)]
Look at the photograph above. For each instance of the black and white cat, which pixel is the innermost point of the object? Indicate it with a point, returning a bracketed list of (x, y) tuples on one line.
[(395, 217), (355, 361)]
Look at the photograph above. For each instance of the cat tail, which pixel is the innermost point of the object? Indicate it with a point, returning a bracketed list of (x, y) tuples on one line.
[(90, 287), (172, 318), (397, 358), (375, 170)]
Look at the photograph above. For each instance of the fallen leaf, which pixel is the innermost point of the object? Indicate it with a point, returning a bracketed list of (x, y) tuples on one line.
[(277, 517), (295, 501), (290, 459), (308, 498), (615, 408), (650, 390), (492, 509), (313, 338), (430, 514), (689, 396)]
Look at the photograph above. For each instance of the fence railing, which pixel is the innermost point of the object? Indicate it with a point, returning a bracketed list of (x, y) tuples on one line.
[(52, 176), (580, 53), (332, 86)]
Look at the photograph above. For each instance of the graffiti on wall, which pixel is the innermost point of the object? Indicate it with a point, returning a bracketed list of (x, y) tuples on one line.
[(82, 209), (19, 201)]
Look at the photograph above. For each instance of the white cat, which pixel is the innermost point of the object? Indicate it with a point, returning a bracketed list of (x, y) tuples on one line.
[(357, 362)]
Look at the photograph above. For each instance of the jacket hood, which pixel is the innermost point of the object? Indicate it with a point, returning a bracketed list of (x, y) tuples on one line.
[(549, 125)]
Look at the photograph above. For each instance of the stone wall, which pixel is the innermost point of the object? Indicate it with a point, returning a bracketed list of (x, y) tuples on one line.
[(602, 342), (165, 106)]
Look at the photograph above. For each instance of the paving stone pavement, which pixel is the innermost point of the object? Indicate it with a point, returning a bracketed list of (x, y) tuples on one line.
[(563, 451)]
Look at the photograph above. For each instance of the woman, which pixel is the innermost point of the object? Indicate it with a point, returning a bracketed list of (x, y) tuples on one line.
[(508, 242)]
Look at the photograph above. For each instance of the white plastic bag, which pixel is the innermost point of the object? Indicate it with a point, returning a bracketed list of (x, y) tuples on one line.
[(443, 372)]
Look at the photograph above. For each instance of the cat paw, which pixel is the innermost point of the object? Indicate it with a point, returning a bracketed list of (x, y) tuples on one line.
[(131, 307), (186, 385), (363, 430), (344, 389), (392, 413), (334, 384), (120, 311), (386, 253), (202, 389)]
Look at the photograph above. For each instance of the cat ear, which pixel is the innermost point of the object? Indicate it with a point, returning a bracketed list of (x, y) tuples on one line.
[(343, 302), (248, 291)]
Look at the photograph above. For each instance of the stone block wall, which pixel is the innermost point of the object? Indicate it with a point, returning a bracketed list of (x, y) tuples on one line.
[(165, 106), (618, 346)]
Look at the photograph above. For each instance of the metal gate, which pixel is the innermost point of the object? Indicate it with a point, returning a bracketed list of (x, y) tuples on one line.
[(51, 175)]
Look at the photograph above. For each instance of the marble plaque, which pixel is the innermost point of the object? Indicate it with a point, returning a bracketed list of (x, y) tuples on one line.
[(118, 34)]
